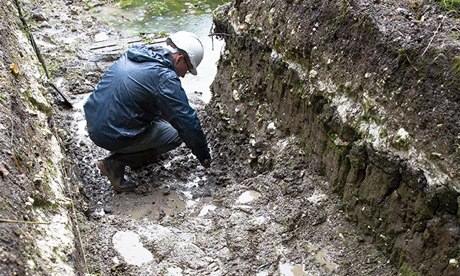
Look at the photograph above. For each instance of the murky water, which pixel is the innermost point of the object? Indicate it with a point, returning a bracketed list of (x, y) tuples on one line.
[(153, 16), (151, 206)]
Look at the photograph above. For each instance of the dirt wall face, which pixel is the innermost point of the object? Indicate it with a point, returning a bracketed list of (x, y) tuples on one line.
[(35, 223), (373, 89)]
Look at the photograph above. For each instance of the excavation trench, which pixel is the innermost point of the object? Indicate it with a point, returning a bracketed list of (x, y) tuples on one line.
[(274, 201), (236, 218)]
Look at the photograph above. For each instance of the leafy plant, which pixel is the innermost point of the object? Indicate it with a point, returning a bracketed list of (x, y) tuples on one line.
[(456, 64)]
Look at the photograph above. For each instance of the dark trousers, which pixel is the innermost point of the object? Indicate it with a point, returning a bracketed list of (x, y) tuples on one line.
[(159, 138)]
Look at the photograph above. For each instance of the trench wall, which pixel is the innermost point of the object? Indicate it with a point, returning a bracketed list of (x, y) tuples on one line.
[(373, 99), (36, 219)]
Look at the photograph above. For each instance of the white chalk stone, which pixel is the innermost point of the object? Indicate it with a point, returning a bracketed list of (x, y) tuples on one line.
[(128, 245)]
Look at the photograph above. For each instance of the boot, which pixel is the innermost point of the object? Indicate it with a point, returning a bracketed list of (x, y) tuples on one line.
[(115, 170)]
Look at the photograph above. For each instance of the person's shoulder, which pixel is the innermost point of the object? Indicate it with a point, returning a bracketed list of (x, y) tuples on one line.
[(168, 75)]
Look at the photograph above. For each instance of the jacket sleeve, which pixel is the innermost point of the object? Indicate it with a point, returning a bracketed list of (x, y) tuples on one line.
[(174, 106)]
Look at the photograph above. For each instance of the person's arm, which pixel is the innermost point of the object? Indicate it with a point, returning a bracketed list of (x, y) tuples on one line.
[(174, 106)]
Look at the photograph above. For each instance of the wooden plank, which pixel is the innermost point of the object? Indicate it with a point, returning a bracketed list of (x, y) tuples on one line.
[(110, 43), (113, 48), (123, 42)]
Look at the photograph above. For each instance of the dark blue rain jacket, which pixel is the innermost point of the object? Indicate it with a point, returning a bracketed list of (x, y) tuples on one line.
[(137, 89)]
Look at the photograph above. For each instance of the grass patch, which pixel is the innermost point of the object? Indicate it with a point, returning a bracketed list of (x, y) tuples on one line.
[(456, 64), (450, 4), (172, 7), (405, 270)]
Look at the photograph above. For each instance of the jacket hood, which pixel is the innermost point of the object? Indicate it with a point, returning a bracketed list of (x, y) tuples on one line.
[(145, 54)]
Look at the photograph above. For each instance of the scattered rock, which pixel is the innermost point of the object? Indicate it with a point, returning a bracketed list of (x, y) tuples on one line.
[(108, 209), (454, 263), (14, 68), (102, 36), (271, 128), (4, 172), (38, 15), (313, 73), (401, 140), (236, 95), (129, 246)]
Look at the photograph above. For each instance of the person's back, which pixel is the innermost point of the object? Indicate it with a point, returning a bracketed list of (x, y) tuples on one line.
[(124, 102)]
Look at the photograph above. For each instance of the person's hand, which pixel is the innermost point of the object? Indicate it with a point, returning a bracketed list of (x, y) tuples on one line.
[(206, 163)]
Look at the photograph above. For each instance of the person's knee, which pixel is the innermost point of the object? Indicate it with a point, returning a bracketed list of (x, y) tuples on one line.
[(171, 136), (168, 141)]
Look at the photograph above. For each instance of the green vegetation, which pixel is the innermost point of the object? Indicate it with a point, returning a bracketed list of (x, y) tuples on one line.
[(456, 64), (450, 4), (173, 7), (41, 201), (3, 97), (405, 270), (39, 103)]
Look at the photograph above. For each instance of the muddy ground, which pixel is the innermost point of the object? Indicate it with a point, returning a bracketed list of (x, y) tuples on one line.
[(261, 209)]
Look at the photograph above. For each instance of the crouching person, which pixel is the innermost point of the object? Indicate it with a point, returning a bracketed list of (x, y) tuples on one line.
[(139, 109)]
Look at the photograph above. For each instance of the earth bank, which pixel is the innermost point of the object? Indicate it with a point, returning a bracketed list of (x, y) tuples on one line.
[(39, 233), (372, 90)]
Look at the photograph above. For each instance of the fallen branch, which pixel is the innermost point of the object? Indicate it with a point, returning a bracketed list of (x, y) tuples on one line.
[(434, 35), (74, 220), (66, 100)]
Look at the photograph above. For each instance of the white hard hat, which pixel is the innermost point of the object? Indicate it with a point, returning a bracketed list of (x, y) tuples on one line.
[(191, 44)]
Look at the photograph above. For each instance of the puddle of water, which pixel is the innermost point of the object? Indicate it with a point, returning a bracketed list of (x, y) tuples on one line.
[(148, 206), (247, 197), (128, 245), (288, 269)]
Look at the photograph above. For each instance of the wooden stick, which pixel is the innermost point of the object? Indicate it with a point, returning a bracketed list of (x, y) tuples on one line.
[(434, 35), (39, 55)]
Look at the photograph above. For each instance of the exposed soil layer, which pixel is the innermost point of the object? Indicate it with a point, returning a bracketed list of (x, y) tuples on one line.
[(36, 229), (372, 92)]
